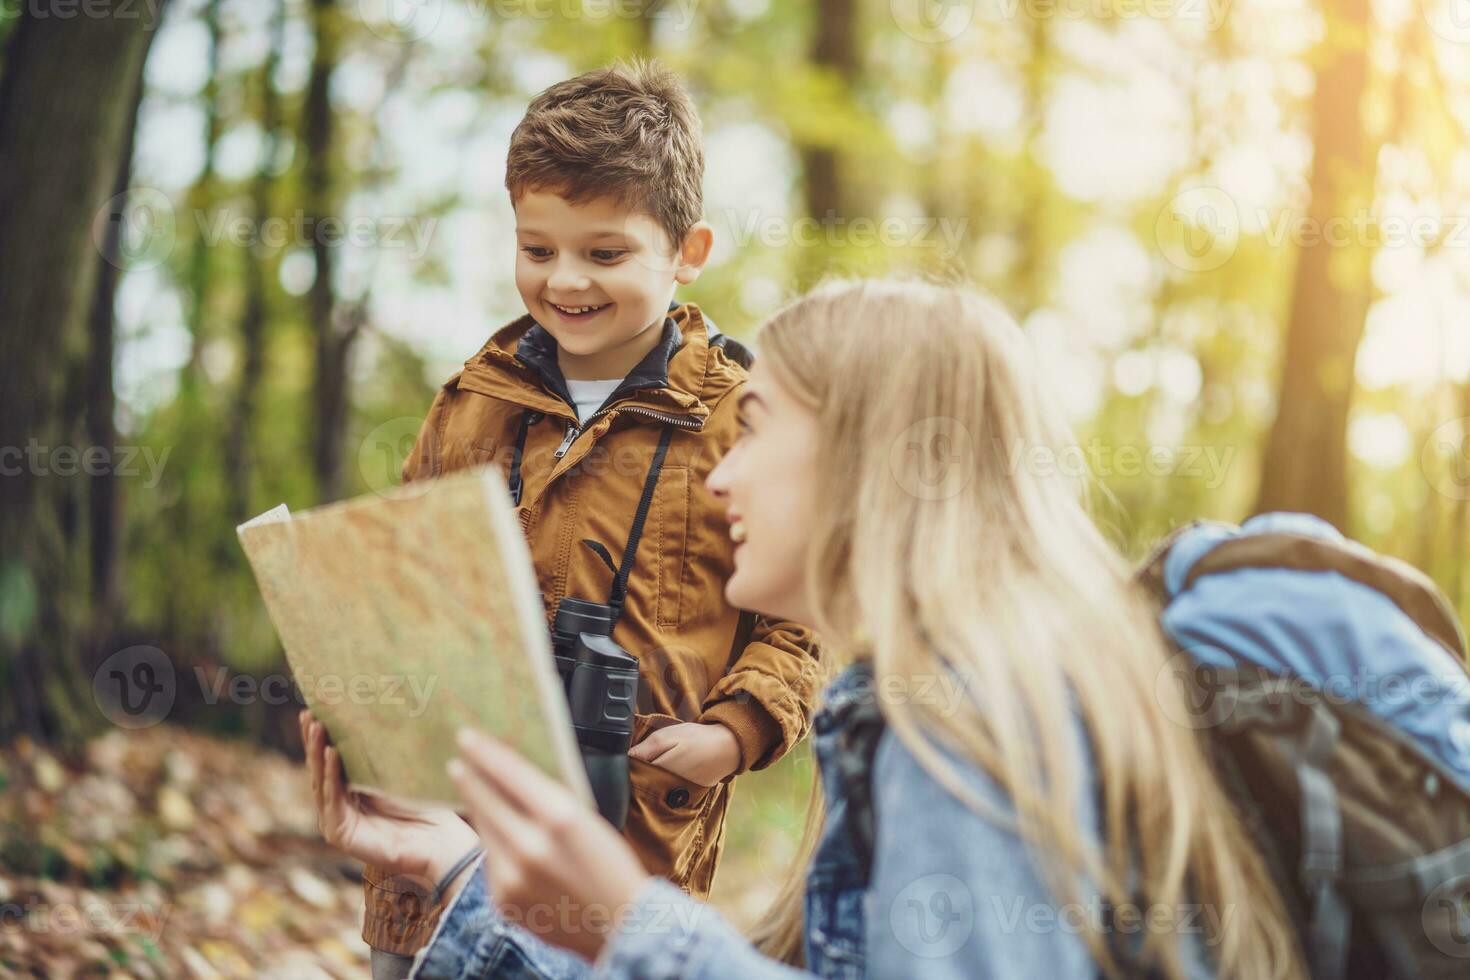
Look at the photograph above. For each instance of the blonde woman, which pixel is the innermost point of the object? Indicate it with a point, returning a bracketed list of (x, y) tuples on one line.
[(1036, 812)]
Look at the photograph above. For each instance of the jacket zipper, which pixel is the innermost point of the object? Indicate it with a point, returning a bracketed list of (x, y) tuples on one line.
[(573, 430)]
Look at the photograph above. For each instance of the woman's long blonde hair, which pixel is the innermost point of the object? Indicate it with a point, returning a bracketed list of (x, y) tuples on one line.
[(951, 542)]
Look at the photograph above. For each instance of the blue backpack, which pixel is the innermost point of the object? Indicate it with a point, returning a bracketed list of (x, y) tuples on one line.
[(1331, 682), (1330, 686)]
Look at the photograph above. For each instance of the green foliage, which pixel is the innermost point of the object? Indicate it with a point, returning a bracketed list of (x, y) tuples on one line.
[(1191, 372)]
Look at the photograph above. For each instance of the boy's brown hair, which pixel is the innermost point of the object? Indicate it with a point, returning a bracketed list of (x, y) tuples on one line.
[(628, 130)]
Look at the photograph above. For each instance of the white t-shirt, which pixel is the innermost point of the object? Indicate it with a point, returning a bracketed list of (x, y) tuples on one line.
[(588, 396)]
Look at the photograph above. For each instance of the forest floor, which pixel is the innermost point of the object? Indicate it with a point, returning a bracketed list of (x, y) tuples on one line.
[(169, 853)]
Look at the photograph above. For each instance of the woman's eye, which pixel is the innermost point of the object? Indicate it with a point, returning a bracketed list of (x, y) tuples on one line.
[(536, 251)]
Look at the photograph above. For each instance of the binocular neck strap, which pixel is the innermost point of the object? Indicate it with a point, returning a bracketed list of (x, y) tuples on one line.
[(619, 592), (514, 482)]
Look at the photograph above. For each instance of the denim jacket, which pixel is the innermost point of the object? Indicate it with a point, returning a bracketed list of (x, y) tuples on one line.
[(950, 894)]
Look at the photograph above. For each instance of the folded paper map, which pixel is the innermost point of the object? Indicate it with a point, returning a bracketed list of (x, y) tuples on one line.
[(408, 614)]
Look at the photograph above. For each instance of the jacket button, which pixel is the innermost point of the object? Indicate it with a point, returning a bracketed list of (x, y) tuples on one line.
[(677, 797)]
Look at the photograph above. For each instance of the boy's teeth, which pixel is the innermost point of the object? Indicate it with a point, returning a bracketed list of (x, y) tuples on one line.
[(575, 309)]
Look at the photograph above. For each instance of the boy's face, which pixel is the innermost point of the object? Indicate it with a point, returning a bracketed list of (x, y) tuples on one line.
[(598, 275)]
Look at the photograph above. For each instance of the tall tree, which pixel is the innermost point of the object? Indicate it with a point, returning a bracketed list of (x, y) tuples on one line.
[(238, 457), (1305, 464), (833, 49), (1031, 224), (67, 99), (834, 52), (335, 334), (201, 272)]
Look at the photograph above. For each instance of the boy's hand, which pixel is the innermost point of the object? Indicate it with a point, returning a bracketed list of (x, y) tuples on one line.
[(375, 829), (700, 753)]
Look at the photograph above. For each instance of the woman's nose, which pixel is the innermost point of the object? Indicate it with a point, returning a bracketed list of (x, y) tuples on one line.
[(716, 482)]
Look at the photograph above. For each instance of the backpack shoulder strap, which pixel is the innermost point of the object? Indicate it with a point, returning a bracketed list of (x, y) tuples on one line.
[(744, 629)]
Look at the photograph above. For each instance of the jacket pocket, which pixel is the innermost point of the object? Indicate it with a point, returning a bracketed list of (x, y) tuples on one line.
[(667, 814), (670, 531)]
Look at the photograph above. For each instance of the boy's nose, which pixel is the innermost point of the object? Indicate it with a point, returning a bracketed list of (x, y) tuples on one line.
[(566, 276)]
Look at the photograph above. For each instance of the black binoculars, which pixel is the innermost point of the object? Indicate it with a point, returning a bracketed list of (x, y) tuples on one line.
[(601, 682)]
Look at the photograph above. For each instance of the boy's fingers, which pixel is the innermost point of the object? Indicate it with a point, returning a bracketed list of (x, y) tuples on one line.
[(319, 757), (651, 747), (313, 759), (521, 784), (332, 785)]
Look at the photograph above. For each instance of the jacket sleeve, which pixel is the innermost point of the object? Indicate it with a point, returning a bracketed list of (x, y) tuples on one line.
[(953, 894), (667, 935), (767, 696)]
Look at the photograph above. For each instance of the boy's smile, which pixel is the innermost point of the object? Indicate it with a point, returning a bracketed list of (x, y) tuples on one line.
[(579, 314), (598, 275)]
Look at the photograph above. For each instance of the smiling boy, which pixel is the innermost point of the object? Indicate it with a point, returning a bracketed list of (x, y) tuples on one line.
[(605, 374)]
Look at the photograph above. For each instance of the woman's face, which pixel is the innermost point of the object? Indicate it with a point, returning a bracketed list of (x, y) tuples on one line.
[(767, 482)]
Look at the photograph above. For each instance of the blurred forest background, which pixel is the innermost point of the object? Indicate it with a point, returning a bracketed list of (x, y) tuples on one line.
[(242, 242)]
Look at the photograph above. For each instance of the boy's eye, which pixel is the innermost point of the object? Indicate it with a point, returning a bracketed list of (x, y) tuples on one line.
[(608, 254), (536, 251), (742, 425)]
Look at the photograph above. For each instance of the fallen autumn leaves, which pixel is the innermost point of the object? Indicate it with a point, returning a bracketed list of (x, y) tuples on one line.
[(163, 853)]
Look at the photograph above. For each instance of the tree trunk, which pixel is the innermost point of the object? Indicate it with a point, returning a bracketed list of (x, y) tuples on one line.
[(1305, 464), (239, 458), (833, 50), (200, 273), (333, 340), (1033, 282), (100, 400), (66, 100)]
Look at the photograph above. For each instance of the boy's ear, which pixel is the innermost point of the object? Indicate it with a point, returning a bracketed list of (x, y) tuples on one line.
[(694, 253)]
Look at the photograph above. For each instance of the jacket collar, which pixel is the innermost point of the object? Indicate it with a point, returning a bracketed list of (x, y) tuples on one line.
[(537, 350), (519, 364)]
